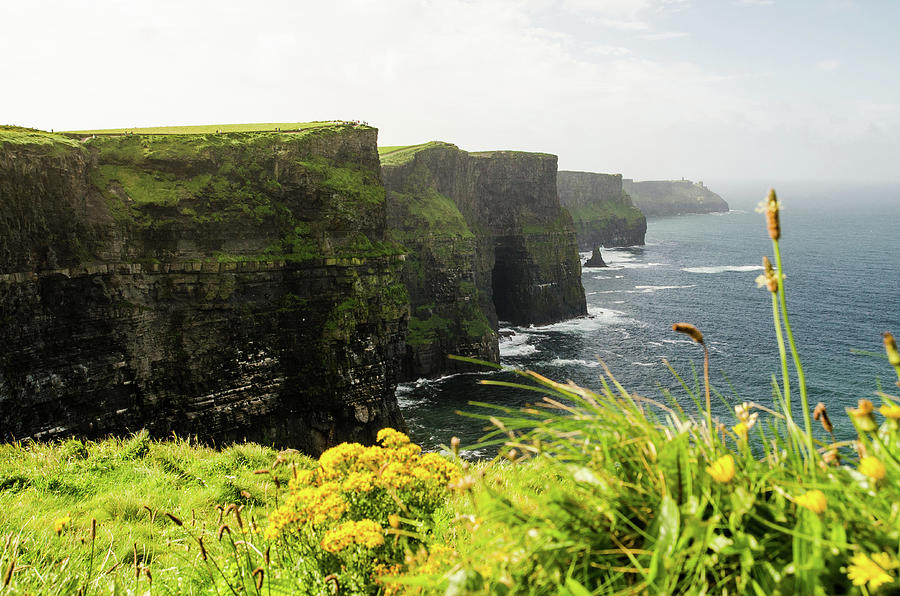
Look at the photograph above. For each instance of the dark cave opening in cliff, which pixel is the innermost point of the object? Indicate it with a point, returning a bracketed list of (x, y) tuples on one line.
[(507, 282)]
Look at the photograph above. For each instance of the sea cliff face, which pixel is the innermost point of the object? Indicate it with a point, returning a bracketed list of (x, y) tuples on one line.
[(228, 286), (673, 197), (488, 241), (603, 213)]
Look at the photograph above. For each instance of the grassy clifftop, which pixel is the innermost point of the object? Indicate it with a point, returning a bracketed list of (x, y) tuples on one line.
[(396, 155), (224, 128)]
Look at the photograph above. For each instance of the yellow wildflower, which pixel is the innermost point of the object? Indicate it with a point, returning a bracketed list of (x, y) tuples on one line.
[(394, 520), (814, 500), (862, 414), (740, 429), (885, 561), (365, 533), (60, 524), (872, 467), (891, 411), (722, 470), (392, 439), (359, 482), (337, 460), (864, 570)]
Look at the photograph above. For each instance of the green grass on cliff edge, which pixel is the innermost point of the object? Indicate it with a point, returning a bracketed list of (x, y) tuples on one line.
[(223, 128), (18, 135), (396, 155)]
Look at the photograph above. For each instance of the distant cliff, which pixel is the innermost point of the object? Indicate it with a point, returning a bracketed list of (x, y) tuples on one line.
[(227, 286), (488, 240), (602, 211), (673, 197)]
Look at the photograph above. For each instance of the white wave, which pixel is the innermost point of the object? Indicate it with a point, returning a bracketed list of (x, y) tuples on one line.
[(642, 289), (654, 288), (572, 362), (629, 265), (618, 302), (517, 344), (644, 363), (598, 318), (723, 269), (608, 276)]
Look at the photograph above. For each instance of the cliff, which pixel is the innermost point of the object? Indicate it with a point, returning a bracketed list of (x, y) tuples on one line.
[(602, 211), (228, 286), (673, 197), (488, 240)]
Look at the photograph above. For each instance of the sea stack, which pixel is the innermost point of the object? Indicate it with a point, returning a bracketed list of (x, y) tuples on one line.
[(596, 259)]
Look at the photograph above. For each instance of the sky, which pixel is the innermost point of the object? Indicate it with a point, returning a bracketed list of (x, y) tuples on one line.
[(715, 90)]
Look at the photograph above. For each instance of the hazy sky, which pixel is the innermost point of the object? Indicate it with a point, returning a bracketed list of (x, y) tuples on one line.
[(710, 90)]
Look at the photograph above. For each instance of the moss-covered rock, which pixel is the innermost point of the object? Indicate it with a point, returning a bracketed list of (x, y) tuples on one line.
[(230, 286)]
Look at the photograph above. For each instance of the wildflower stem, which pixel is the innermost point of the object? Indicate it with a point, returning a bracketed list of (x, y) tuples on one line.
[(801, 378), (785, 374), (706, 383)]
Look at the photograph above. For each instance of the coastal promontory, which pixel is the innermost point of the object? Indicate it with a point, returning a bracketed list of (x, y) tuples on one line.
[(673, 197)]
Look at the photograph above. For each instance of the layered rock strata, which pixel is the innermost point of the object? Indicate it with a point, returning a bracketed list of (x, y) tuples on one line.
[(602, 211), (488, 241), (673, 197), (229, 286)]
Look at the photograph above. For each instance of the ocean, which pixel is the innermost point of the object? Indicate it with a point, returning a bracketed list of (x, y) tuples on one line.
[(842, 265)]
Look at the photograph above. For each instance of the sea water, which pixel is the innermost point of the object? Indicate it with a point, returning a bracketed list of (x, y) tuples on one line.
[(842, 264)]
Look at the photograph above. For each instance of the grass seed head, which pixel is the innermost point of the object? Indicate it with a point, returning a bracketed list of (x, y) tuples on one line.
[(771, 209), (890, 346), (821, 414), (175, 519), (690, 331)]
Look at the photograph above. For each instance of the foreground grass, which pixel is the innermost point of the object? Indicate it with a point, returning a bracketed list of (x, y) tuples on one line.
[(50, 493)]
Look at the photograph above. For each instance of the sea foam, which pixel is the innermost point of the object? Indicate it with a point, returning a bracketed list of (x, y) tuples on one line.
[(723, 269)]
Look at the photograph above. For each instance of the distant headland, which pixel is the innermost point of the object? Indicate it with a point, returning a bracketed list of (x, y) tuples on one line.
[(673, 197)]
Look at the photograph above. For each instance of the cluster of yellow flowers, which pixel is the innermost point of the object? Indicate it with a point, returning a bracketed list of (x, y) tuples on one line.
[(357, 482), (365, 533)]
